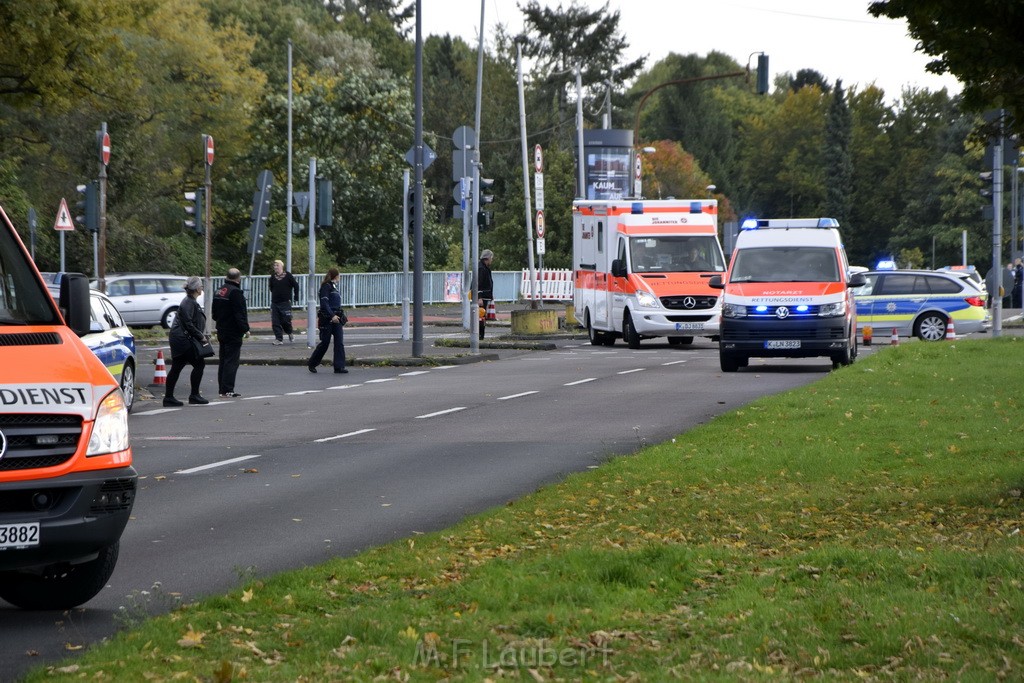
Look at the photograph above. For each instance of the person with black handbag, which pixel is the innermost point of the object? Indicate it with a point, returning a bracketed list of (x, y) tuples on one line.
[(188, 344), (331, 321)]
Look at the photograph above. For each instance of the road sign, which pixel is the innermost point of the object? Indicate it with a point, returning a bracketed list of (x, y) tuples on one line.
[(63, 221), (538, 159), (105, 149), (301, 201), (540, 246), (209, 150), (540, 224), (428, 156), (463, 137)]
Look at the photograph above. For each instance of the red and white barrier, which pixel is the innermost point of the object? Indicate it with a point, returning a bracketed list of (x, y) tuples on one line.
[(550, 285)]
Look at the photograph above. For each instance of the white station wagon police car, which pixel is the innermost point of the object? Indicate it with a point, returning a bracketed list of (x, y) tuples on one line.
[(919, 303)]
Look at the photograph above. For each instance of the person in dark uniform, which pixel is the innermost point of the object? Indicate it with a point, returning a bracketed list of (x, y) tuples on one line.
[(331, 321), (1018, 283), (189, 324), (284, 289), (232, 320), (485, 291)]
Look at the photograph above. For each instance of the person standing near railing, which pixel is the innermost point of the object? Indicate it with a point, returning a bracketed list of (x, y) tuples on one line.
[(284, 288)]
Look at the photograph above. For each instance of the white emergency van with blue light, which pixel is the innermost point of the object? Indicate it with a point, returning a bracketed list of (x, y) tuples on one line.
[(641, 269), (788, 294)]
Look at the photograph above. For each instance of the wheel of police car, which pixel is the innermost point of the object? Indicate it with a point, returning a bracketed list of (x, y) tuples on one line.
[(930, 327), (128, 385)]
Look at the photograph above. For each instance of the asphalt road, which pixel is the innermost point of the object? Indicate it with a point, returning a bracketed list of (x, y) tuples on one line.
[(306, 467)]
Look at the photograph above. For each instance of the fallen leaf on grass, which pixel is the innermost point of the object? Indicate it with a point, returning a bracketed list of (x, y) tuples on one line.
[(191, 639)]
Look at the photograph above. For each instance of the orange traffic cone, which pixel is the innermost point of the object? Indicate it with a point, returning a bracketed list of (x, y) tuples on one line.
[(867, 335), (160, 375), (895, 338), (951, 331), (492, 312)]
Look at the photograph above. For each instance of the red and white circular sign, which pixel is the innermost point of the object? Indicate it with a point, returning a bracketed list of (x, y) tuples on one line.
[(209, 150), (105, 149), (638, 169), (538, 159), (540, 224)]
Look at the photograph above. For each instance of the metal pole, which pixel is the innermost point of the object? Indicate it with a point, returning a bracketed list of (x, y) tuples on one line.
[(288, 210), (582, 192), (526, 177), (417, 284), (405, 255), (997, 232), (101, 247), (207, 203), (311, 284), (474, 336)]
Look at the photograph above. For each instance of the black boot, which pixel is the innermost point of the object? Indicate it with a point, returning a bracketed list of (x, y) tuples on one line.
[(171, 402)]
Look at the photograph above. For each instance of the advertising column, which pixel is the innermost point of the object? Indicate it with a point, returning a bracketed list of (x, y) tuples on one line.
[(607, 163)]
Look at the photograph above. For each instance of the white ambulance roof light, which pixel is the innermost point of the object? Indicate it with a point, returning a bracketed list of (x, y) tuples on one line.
[(885, 264), (637, 208), (749, 224)]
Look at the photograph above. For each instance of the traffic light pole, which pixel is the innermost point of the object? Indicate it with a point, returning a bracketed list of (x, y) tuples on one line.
[(100, 248), (997, 232)]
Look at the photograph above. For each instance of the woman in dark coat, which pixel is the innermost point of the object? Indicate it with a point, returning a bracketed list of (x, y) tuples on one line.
[(331, 322), (189, 324)]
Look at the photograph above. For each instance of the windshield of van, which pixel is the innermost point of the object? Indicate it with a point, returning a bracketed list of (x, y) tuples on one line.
[(676, 254), (23, 299), (785, 264)]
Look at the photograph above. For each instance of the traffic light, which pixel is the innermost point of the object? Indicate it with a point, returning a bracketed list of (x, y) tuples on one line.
[(986, 178), (410, 210), (196, 210), (484, 220), (324, 203), (89, 206), (485, 184), (258, 218), (762, 74)]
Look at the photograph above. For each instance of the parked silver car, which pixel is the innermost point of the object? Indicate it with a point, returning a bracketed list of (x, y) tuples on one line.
[(145, 299)]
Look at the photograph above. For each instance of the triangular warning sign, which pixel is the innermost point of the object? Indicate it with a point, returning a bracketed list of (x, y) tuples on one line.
[(63, 221)]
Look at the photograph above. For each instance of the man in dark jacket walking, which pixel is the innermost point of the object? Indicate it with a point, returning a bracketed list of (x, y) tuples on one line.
[(485, 291), (232, 320), (283, 289)]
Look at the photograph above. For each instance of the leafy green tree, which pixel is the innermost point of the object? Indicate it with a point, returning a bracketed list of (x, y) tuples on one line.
[(978, 42), (838, 163), (560, 40)]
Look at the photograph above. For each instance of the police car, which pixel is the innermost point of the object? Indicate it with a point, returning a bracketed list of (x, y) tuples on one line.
[(919, 303), (111, 341)]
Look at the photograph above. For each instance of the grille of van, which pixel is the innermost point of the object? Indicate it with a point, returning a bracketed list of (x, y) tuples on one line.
[(35, 441), (29, 339), (696, 303)]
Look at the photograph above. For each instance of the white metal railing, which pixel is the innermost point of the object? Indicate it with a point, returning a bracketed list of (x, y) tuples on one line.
[(385, 289)]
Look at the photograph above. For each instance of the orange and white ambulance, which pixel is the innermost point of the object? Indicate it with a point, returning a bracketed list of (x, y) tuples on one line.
[(788, 293), (641, 269), (67, 484)]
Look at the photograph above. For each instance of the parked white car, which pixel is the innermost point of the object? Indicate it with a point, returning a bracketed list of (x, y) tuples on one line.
[(145, 299)]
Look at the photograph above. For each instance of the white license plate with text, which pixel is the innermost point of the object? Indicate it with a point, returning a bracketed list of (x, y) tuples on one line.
[(690, 326), (782, 344), (19, 535)]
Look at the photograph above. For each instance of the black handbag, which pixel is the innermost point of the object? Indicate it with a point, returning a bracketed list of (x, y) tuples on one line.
[(202, 349)]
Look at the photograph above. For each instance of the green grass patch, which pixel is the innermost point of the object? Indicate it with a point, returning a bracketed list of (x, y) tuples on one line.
[(865, 526)]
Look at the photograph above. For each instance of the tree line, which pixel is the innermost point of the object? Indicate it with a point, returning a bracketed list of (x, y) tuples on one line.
[(899, 172)]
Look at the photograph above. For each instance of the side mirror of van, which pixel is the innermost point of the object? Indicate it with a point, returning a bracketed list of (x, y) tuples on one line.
[(857, 280), (74, 302), (716, 282), (619, 268)]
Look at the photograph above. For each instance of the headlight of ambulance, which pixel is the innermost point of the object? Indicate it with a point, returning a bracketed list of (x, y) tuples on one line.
[(832, 310), (734, 311), (646, 299), (110, 430)]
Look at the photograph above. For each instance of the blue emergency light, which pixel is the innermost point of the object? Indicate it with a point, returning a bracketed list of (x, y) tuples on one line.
[(637, 208), (885, 264)]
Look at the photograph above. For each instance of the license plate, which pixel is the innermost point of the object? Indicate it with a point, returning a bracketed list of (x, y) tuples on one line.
[(19, 535), (782, 344), (689, 326)]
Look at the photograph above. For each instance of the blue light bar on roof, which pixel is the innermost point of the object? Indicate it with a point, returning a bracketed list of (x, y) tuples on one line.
[(696, 207), (638, 207), (749, 224), (828, 223)]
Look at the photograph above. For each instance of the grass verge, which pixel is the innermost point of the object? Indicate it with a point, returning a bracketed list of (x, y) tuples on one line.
[(868, 525)]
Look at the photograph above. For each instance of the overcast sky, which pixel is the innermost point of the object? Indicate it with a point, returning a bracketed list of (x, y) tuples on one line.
[(838, 38)]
